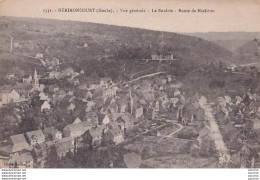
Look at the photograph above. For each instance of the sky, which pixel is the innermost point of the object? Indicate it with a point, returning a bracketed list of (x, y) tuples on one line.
[(229, 15)]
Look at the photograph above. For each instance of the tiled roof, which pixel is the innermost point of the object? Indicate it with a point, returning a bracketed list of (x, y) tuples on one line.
[(35, 134), (19, 138)]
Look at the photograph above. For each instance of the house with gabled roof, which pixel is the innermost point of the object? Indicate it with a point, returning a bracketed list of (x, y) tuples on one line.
[(122, 105), (71, 107), (35, 137), (127, 120), (18, 143), (105, 80), (52, 134), (21, 160), (45, 106), (114, 136), (76, 130), (94, 136), (103, 118)]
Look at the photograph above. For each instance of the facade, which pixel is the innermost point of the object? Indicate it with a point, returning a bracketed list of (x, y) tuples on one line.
[(27, 80), (109, 92), (103, 119), (54, 75), (52, 134), (122, 105), (35, 137), (94, 136), (256, 124), (45, 106), (24, 160), (76, 130), (64, 147), (138, 112), (6, 96), (39, 55), (105, 81), (114, 136)]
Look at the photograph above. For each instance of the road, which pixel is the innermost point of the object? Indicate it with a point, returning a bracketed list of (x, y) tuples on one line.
[(148, 75), (172, 133), (131, 76), (221, 147)]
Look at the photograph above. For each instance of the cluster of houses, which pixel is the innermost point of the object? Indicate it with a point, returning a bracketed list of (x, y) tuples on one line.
[(239, 119), (21, 91), (104, 113)]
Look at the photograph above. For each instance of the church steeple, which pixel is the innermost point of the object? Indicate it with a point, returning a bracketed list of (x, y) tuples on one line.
[(35, 78)]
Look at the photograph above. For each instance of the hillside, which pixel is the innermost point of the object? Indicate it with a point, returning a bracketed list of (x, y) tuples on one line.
[(249, 52), (103, 49), (229, 40)]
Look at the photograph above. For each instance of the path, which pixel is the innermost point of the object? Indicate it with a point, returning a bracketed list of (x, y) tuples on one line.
[(172, 133), (148, 75), (221, 147)]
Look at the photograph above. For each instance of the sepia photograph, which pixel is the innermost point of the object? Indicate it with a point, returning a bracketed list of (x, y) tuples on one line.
[(134, 84)]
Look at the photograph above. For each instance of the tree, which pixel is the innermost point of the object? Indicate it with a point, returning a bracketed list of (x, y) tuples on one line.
[(220, 65), (52, 159)]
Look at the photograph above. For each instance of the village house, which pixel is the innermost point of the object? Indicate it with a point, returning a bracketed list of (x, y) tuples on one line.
[(7, 95), (10, 76), (238, 100), (177, 92), (157, 106), (44, 97), (71, 107), (228, 99), (67, 72), (174, 101), (39, 55), (59, 95), (52, 61), (64, 146), (161, 80), (92, 117), (113, 108), (23, 89), (45, 106), (221, 101), (114, 136), (122, 105), (150, 114), (89, 96), (103, 119), (127, 120), (138, 112), (52, 134), (54, 75), (255, 123), (90, 106), (116, 124), (35, 137), (27, 80), (109, 92), (23, 160), (105, 81), (94, 136), (169, 78), (76, 130), (18, 143), (176, 84), (76, 121)]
